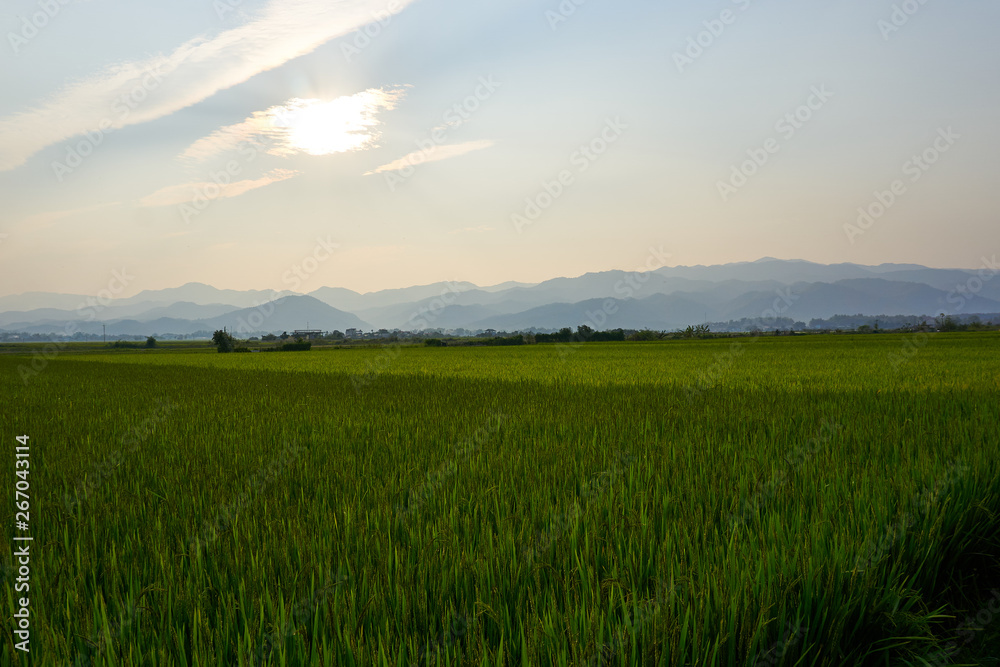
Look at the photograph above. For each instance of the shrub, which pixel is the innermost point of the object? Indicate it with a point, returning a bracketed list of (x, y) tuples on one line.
[(645, 334), (223, 341)]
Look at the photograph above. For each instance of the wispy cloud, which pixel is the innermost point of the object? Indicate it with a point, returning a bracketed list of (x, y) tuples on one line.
[(194, 71), (304, 126), (186, 192), (49, 218), (434, 154)]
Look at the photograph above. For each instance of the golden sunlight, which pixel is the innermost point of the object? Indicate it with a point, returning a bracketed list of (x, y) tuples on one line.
[(337, 126)]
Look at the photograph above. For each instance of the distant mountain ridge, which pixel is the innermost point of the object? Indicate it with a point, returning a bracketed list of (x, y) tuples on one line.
[(667, 298)]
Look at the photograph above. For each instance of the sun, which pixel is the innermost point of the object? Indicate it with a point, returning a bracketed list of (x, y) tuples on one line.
[(318, 127)]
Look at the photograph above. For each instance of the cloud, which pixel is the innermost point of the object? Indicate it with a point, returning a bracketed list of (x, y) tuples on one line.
[(438, 152), (304, 126), (185, 193), (143, 90), (48, 218)]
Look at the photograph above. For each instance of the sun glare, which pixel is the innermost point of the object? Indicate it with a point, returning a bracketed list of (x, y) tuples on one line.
[(316, 127)]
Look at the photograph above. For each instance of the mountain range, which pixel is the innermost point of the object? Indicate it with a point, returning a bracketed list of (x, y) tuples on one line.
[(663, 299)]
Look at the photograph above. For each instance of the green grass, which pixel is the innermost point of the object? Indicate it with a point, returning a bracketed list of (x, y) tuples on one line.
[(348, 506)]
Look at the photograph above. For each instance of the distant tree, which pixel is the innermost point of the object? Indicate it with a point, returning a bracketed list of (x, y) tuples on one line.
[(223, 341), (584, 332), (269, 337), (645, 335), (946, 323), (150, 342), (284, 335)]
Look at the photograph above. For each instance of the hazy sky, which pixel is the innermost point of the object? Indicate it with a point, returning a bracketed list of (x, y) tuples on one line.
[(390, 143)]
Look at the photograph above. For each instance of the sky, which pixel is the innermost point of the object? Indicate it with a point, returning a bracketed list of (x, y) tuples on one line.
[(386, 143)]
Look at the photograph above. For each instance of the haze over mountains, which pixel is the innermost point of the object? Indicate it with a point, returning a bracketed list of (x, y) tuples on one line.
[(665, 299)]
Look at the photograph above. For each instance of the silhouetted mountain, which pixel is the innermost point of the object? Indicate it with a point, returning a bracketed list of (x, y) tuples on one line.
[(659, 312), (143, 311), (667, 298), (346, 299), (202, 294), (186, 310), (801, 301), (40, 300), (286, 314)]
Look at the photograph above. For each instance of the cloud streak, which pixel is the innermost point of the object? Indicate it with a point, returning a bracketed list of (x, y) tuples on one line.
[(144, 90), (49, 218), (434, 154), (303, 126), (184, 193)]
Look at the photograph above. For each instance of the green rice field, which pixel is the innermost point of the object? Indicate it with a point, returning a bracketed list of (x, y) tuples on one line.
[(807, 500)]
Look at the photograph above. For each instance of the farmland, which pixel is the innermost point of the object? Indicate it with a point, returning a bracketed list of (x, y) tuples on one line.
[(815, 500)]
